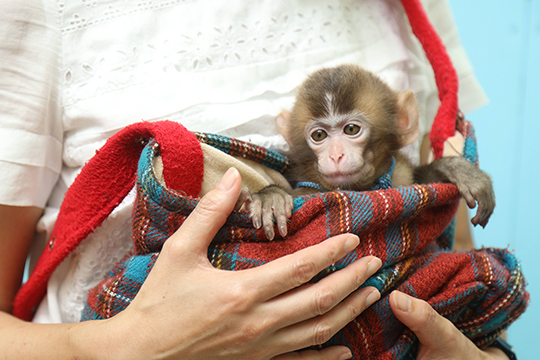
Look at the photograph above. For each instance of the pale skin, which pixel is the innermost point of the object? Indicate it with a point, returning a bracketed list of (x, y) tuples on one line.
[(263, 313), (439, 338)]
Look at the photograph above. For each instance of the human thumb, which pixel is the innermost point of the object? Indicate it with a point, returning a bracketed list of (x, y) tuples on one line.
[(431, 329), (200, 227)]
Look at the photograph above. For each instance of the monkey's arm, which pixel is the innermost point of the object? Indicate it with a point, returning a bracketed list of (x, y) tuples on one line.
[(272, 202), (474, 185)]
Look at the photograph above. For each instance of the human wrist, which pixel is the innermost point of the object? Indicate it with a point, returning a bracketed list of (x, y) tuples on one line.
[(493, 353), (122, 337), (92, 340)]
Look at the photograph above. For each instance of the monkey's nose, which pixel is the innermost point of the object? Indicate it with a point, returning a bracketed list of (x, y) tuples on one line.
[(336, 157)]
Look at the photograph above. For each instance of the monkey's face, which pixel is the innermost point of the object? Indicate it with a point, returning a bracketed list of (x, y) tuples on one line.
[(353, 124), (340, 148)]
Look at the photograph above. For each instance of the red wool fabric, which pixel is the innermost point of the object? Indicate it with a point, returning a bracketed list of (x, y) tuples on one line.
[(101, 186), (86, 206)]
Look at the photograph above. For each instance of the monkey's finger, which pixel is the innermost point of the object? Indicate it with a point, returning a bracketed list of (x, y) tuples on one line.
[(487, 217), (269, 230), (469, 198), (244, 199), (268, 220), (255, 210), (280, 211), (476, 219), (485, 210), (471, 203), (281, 221), (485, 197), (484, 222), (289, 204), (480, 215)]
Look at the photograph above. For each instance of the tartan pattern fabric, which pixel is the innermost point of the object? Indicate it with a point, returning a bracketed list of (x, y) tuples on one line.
[(83, 210), (410, 228), (234, 147)]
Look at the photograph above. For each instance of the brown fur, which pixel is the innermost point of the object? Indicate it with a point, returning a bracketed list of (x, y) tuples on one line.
[(351, 88), (392, 122)]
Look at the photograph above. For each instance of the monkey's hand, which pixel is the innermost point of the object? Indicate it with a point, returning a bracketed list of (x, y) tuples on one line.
[(474, 185), (271, 204)]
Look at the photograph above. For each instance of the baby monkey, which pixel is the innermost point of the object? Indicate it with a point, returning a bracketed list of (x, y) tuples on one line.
[(345, 132)]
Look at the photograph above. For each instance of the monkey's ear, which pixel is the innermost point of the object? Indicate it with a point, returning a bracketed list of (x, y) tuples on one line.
[(283, 121), (407, 117)]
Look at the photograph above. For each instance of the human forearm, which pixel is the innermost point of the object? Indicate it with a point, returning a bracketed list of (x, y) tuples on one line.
[(17, 225), (187, 309), (24, 340)]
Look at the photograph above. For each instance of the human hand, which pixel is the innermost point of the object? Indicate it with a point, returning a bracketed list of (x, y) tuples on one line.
[(187, 309), (438, 337)]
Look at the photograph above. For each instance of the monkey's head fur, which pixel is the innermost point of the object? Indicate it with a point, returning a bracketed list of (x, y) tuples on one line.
[(331, 95)]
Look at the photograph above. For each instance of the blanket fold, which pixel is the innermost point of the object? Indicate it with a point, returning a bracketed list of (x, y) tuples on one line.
[(410, 228)]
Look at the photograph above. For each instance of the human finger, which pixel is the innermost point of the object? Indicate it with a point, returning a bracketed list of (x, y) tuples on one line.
[(318, 330), (330, 353), (200, 227), (296, 269), (317, 299), (436, 334)]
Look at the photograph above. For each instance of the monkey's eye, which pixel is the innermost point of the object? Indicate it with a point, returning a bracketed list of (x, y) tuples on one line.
[(351, 129), (319, 135)]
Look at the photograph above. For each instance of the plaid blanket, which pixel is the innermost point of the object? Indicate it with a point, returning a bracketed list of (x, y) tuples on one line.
[(409, 228)]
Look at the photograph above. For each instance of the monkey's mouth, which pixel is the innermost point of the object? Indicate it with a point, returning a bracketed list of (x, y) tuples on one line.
[(342, 179)]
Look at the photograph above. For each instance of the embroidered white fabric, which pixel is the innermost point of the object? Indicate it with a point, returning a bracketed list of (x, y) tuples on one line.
[(217, 66)]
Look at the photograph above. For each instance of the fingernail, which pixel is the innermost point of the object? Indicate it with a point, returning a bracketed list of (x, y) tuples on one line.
[(228, 179), (351, 243), (372, 297), (283, 230), (257, 223), (374, 265), (346, 356), (403, 301)]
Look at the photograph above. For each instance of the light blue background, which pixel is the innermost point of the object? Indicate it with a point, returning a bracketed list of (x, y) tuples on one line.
[(502, 38)]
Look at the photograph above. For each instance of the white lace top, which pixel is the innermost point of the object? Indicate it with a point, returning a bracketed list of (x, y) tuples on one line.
[(75, 72)]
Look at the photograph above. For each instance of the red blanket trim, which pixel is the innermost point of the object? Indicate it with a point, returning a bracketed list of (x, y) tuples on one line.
[(116, 166), (444, 125), (102, 185)]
